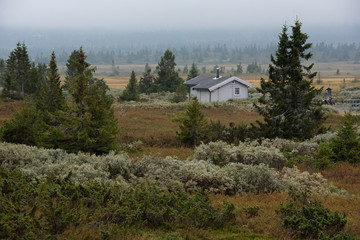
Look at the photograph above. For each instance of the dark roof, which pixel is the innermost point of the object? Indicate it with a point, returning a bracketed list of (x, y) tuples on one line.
[(211, 83), (204, 82)]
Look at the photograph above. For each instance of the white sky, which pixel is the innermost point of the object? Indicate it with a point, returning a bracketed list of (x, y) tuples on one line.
[(175, 14)]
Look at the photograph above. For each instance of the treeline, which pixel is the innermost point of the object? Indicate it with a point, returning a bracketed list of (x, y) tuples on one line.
[(221, 54)]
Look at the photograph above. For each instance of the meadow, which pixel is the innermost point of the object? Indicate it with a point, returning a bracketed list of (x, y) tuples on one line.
[(147, 129)]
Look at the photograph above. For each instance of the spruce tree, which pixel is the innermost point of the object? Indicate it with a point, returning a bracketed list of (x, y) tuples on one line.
[(17, 74), (193, 124), (346, 145), (146, 81), (90, 123), (168, 78), (2, 71), (288, 102), (131, 92), (193, 72), (51, 97)]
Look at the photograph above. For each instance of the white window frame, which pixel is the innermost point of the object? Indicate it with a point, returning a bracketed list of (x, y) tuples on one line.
[(236, 88)]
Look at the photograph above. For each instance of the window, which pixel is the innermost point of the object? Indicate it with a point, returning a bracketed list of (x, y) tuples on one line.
[(237, 91)]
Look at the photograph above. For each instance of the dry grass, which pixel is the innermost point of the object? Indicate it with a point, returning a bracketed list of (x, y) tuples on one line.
[(7, 109), (155, 127)]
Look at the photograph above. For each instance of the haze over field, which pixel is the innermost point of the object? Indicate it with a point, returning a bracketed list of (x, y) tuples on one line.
[(132, 25)]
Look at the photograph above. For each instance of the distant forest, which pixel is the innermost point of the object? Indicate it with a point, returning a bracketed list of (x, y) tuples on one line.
[(218, 54)]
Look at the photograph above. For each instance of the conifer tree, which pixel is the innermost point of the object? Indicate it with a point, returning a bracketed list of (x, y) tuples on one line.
[(288, 102), (131, 92), (18, 74), (51, 97), (193, 124), (346, 145), (2, 71), (90, 123), (146, 81), (193, 72), (168, 78)]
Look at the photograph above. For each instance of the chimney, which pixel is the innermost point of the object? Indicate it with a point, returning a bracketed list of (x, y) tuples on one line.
[(217, 72)]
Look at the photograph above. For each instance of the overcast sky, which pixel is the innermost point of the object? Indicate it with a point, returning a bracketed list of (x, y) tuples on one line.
[(174, 14)]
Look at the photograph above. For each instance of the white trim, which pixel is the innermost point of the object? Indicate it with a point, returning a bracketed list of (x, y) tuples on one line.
[(229, 80)]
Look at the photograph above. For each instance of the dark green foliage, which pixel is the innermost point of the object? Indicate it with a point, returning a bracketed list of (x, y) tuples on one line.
[(90, 123), (193, 72), (253, 68), (2, 71), (131, 92), (309, 219), (232, 134), (51, 98), (193, 125), (168, 78), (288, 102), (239, 69), (42, 70), (344, 147), (86, 124), (47, 210), (27, 126), (185, 70), (70, 68), (181, 94), (146, 82), (21, 78), (252, 211)]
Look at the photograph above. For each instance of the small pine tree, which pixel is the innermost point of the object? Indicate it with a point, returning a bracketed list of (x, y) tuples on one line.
[(193, 72), (239, 69), (146, 81), (346, 145), (131, 92), (185, 70), (193, 124)]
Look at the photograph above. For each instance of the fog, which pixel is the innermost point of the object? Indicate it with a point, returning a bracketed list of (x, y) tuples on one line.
[(175, 14), (124, 24)]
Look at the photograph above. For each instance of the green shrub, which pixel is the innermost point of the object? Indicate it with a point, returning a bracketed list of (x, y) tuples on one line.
[(344, 147), (309, 219)]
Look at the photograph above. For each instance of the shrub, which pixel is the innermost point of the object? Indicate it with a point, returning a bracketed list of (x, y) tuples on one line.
[(305, 147), (293, 179), (251, 178), (344, 147), (309, 219), (220, 153)]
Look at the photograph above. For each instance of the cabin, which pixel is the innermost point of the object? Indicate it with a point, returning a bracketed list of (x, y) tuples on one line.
[(219, 88)]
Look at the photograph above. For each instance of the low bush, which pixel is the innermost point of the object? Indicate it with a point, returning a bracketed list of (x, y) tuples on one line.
[(221, 153), (236, 169), (309, 219), (48, 209)]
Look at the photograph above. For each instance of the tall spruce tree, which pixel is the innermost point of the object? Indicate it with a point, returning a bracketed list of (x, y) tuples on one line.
[(168, 78), (288, 102), (131, 92), (51, 97), (193, 72), (90, 123), (18, 75)]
